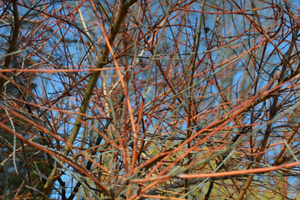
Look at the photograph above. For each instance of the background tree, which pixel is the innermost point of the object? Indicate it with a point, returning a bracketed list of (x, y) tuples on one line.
[(149, 99)]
